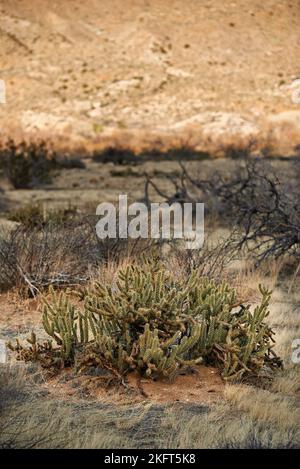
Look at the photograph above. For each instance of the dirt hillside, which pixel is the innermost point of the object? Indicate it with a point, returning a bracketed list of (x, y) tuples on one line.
[(87, 68)]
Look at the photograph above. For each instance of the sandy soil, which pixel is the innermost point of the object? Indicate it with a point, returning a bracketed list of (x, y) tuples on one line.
[(204, 385)]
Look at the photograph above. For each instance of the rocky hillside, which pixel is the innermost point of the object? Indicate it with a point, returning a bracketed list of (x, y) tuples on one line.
[(87, 68)]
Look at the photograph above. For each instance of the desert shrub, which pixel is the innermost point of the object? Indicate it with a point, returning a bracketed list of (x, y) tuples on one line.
[(152, 323), (26, 164), (63, 250), (178, 153), (33, 257), (125, 156), (67, 161), (57, 252), (37, 215), (120, 156), (3, 200)]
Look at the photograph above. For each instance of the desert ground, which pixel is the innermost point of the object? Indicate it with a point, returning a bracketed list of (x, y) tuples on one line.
[(164, 101)]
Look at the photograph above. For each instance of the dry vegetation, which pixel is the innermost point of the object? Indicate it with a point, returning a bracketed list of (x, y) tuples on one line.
[(252, 238), (252, 199), (136, 343)]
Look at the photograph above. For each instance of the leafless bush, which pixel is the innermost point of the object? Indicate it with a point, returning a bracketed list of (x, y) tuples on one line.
[(261, 207), (210, 261), (58, 254)]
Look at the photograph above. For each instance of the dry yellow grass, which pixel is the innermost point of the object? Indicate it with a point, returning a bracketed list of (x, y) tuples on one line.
[(263, 405)]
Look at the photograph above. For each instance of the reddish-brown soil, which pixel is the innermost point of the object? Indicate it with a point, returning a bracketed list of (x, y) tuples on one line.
[(16, 313), (203, 385)]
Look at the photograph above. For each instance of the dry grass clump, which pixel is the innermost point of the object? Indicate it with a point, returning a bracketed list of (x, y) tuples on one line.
[(264, 405), (31, 417), (28, 418), (287, 382), (224, 426)]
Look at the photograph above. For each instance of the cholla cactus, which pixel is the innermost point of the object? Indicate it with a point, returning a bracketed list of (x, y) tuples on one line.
[(149, 322), (157, 358), (249, 341), (61, 321)]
